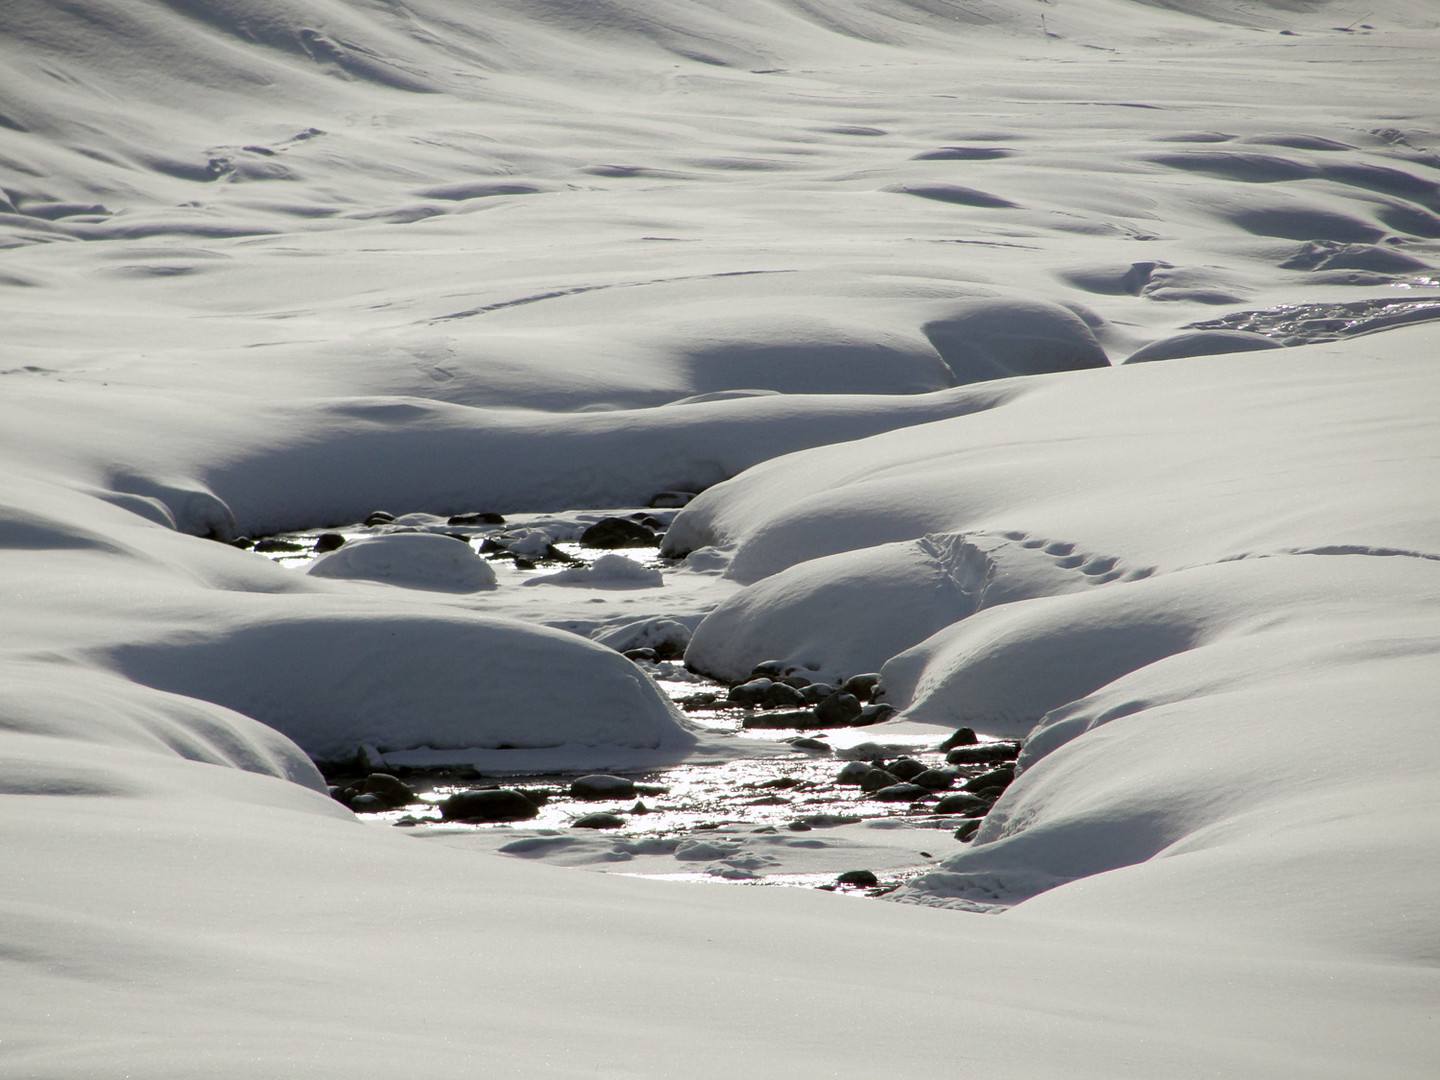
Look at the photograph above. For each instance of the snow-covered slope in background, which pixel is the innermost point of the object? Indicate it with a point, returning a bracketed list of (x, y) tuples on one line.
[(859, 269)]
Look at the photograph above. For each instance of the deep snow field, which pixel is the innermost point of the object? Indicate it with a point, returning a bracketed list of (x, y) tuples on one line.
[(864, 274)]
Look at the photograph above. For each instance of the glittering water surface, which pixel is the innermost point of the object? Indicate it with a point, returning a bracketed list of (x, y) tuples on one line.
[(787, 793), (1306, 324)]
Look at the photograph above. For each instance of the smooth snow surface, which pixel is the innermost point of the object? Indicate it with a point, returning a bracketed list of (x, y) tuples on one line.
[(864, 275)]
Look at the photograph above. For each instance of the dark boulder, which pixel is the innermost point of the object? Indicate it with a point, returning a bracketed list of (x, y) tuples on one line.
[(816, 692), (810, 746), (601, 786), (862, 686), (388, 787), (853, 772), (799, 719), (488, 804), (905, 768), (838, 710), (963, 737), (872, 714), (983, 753), (782, 696), (752, 693), (476, 519), (327, 542), (961, 802), (618, 533), (935, 779), (901, 793), (876, 779), (996, 778), (862, 878), (598, 821)]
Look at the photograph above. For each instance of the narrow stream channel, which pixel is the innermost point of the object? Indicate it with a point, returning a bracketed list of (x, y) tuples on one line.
[(761, 820)]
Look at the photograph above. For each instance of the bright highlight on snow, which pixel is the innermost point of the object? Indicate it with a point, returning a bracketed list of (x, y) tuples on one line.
[(448, 390)]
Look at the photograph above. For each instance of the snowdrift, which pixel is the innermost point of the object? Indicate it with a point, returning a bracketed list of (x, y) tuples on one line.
[(856, 273)]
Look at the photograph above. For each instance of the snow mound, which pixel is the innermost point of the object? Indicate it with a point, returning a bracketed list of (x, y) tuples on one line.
[(1282, 722), (607, 572), (994, 339), (843, 614), (334, 683), (411, 560)]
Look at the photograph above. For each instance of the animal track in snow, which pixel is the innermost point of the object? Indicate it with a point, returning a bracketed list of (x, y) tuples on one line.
[(1056, 562)]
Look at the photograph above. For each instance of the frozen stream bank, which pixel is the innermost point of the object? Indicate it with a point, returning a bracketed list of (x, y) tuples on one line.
[(791, 800)]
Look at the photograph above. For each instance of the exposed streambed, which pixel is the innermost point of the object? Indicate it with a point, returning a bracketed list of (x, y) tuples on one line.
[(793, 812)]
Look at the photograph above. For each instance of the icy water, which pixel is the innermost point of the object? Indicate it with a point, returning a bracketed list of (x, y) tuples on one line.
[(761, 817)]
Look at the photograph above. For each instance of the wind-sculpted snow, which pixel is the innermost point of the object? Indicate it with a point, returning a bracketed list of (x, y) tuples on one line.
[(852, 273)]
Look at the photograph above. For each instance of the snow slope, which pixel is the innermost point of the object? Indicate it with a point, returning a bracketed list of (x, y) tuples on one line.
[(858, 270)]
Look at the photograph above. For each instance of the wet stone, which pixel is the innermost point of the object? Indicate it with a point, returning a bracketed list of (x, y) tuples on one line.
[(963, 737), (782, 696), (488, 804), (798, 718), (965, 832), (901, 793), (813, 746), (875, 779), (369, 804), (872, 714), (388, 787), (862, 686), (961, 802), (599, 821), (379, 517), (601, 786), (994, 779), (862, 878), (327, 542), (983, 753), (476, 519), (935, 779), (853, 772), (614, 532), (816, 692), (905, 768), (838, 710), (749, 694)]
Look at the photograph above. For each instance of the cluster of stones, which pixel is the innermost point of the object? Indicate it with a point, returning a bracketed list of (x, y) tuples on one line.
[(978, 772), (373, 793), (779, 696), (638, 530), (484, 805)]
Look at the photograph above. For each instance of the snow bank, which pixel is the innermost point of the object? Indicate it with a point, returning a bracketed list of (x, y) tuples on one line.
[(412, 560), (844, 614), (278, 265), (335, 683)]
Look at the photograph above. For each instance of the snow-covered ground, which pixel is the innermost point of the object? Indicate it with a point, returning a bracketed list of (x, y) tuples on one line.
[(864, 274)]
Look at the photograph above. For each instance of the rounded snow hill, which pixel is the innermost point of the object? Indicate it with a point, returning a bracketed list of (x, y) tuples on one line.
[(342, 677), (411, 560), (607, 572)]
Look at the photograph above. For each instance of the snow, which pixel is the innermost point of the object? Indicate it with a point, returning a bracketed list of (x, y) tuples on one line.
[(412, 560), (606, 572), (275, 266)]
